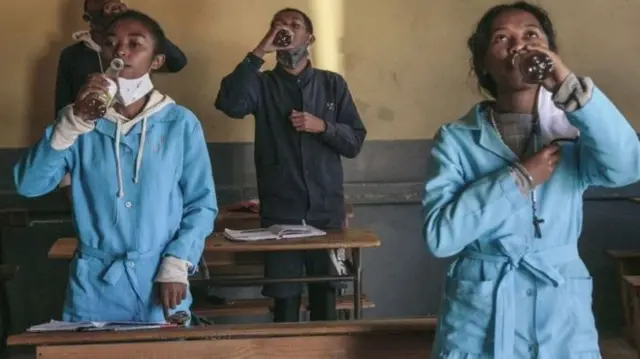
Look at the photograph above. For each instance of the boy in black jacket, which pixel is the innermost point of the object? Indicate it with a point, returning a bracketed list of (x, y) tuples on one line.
[(306, 121)]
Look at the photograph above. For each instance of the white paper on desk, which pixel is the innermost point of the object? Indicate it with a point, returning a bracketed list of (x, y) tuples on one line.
[(127, 328), (59, 326), (277, 231)]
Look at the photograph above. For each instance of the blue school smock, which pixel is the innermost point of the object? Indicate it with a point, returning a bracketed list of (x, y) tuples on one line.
[(509, 295), (131, 208)]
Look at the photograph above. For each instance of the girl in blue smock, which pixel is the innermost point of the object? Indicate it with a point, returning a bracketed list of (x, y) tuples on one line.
[(507, 202), (142, 187)]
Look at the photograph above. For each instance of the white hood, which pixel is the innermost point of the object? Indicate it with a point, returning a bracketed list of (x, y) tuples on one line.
[(156, 103)]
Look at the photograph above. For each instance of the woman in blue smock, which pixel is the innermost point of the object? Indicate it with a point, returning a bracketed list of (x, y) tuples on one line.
[(507, 201), (142, 187)]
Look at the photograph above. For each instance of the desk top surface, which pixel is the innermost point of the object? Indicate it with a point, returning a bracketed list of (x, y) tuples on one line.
[(64, 248), (623, 253), (235, 331)]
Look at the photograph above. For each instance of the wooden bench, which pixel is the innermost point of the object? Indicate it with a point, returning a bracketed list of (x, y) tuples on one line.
[(628, 264), (261, 306), (370, 339), (632, 285)]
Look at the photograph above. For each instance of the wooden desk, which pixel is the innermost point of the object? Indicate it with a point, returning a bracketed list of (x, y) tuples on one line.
[(632, 285), (627, 263), (237, 216), (371, 339), (64, 248), (353, 239)]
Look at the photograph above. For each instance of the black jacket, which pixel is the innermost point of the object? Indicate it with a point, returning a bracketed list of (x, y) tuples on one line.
[(77, 61), (299, 175)]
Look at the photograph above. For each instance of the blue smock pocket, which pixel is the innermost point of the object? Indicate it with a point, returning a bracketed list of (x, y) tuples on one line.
[(467, 320)]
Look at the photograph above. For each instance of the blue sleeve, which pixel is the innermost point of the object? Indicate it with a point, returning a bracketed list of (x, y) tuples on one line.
[(198, 195), (41, 169), (239, 93), (457, 212), (347, 135), (608, 147)]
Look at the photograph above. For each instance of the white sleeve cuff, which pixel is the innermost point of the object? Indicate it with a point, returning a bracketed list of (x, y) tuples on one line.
[(173, 270), (68, 128), (573, 93)]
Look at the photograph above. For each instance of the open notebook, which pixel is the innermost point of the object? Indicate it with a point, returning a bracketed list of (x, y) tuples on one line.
[(277, 231), (58, 326)]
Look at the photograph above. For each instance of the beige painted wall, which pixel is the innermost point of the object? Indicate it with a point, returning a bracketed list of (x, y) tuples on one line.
[(405, 60)]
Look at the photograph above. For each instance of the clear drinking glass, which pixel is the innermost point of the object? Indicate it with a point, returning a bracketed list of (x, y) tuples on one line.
[(535, 66), (283, 38), (96, 104)]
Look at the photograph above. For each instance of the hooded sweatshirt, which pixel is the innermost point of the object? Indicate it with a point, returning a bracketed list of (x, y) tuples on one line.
[(143, 203), (81, 59)]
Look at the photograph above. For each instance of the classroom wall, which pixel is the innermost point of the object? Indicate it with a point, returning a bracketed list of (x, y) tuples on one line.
[(405, 60), (407, 66)]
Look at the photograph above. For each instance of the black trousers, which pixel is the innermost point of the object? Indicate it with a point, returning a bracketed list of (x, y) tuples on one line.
[(292, 264)]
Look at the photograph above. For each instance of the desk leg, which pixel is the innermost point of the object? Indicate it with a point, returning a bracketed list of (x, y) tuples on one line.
[(634, 329), (357, 283), (627, 304)]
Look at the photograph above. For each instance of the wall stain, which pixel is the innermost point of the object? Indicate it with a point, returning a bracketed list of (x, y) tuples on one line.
[(386, 114)]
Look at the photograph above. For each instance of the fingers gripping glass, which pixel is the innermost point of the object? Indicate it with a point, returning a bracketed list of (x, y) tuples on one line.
[(178, 318), (110, 8), (114, 7)]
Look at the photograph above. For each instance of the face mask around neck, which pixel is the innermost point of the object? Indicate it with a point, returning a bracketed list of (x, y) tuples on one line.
[(292, 58), (131, 90)]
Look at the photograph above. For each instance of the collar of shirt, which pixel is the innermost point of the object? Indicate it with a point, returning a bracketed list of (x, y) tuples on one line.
[(301, 79)]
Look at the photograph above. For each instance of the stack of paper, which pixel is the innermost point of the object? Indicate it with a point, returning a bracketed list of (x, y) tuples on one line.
[(58, 326), (274, 232)]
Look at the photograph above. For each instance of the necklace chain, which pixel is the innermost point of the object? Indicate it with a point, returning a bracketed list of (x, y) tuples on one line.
[(536, 220), (495, 126)]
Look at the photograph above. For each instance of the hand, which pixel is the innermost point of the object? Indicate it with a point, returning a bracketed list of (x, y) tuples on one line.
[(541, 165), (113, 7), (266, 44), (560, 70), (96, 83), (305, 122), (171, 295)]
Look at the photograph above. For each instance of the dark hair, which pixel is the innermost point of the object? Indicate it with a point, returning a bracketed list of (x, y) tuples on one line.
[(480, 40), (152, 26), (305, 18)]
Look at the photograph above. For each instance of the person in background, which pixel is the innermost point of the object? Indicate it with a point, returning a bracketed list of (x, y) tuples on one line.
[(79, 60), (306, 121), (506, 200), (143, 196)]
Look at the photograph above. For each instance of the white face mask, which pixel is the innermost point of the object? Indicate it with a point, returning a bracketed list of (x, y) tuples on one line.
[(131, 90)]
